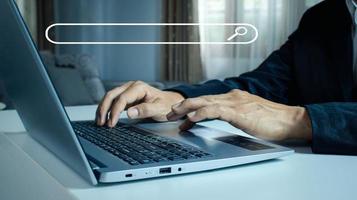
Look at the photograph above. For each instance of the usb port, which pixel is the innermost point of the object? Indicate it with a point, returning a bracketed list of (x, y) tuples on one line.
[(165, 170), (128, 175)]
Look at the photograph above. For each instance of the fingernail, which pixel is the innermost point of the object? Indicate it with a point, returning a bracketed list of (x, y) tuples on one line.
[(191, 114), (133, 113), (102, 120)]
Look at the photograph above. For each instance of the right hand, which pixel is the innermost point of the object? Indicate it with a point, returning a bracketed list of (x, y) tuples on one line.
[(141, 100)]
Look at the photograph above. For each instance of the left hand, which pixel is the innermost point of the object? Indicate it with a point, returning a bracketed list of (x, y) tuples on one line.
[(252, 114)]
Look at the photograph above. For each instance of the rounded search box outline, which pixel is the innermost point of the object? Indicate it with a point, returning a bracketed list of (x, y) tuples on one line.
[(151, 24)]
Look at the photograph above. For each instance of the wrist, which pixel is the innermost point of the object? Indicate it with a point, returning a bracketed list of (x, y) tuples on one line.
[(301, 125)]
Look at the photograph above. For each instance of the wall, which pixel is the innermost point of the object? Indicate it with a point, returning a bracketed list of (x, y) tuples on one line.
[(117, 62)]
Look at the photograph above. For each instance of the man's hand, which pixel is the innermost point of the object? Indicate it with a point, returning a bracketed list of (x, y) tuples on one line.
[(141, 100), (252, 114)]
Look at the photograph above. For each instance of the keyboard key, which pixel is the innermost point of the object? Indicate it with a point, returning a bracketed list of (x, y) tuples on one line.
[(136, 146)]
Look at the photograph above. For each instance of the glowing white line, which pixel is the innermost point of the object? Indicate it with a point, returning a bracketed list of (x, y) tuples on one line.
[(150, 24)]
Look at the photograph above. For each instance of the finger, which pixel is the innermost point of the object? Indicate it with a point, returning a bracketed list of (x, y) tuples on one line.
[(105, 104), (187, 124), (197, 116), (146, 110), (134, 93), (214, 111), (185, 107), (208, 112)]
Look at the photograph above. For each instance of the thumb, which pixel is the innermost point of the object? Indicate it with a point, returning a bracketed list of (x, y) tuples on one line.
[(145, 110)]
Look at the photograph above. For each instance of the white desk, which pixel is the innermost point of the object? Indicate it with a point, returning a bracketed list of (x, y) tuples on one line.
[(299, 176)]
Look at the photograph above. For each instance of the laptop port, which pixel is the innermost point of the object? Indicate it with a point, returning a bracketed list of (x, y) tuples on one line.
[(128, 175), (165, 170)]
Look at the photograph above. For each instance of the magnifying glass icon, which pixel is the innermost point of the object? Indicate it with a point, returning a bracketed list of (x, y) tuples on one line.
[(239, 31)]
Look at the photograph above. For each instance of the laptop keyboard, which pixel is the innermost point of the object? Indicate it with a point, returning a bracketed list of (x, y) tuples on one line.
[(136, 146)]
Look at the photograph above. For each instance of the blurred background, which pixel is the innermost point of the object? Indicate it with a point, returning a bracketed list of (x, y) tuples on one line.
[(83, 73)]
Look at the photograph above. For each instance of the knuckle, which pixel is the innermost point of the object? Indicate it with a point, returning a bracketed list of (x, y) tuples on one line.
[(191, 102), (177, 108), (187, 102), (138, 86), (143, 110), (139, 83), (122, 96), (173, 109), (236, 93), (110, 95)]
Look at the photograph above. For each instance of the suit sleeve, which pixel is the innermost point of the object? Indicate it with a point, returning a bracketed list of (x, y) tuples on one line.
[(334, 127)]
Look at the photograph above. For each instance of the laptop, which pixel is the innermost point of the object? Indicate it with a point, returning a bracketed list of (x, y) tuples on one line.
[(130, 151)]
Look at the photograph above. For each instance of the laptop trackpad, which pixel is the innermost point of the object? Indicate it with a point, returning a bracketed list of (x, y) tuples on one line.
[(198, 136), (171, 129), (243, 142)]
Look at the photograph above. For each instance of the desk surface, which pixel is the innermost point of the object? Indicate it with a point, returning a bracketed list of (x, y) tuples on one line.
[(299, 176)]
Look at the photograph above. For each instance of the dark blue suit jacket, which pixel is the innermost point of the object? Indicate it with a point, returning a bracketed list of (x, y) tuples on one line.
[(314, 68)]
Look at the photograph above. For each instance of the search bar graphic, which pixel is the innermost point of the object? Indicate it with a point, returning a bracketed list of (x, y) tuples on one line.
[(239, 33)]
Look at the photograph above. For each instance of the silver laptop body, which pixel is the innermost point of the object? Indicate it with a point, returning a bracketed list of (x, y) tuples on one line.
[(45, 119)]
